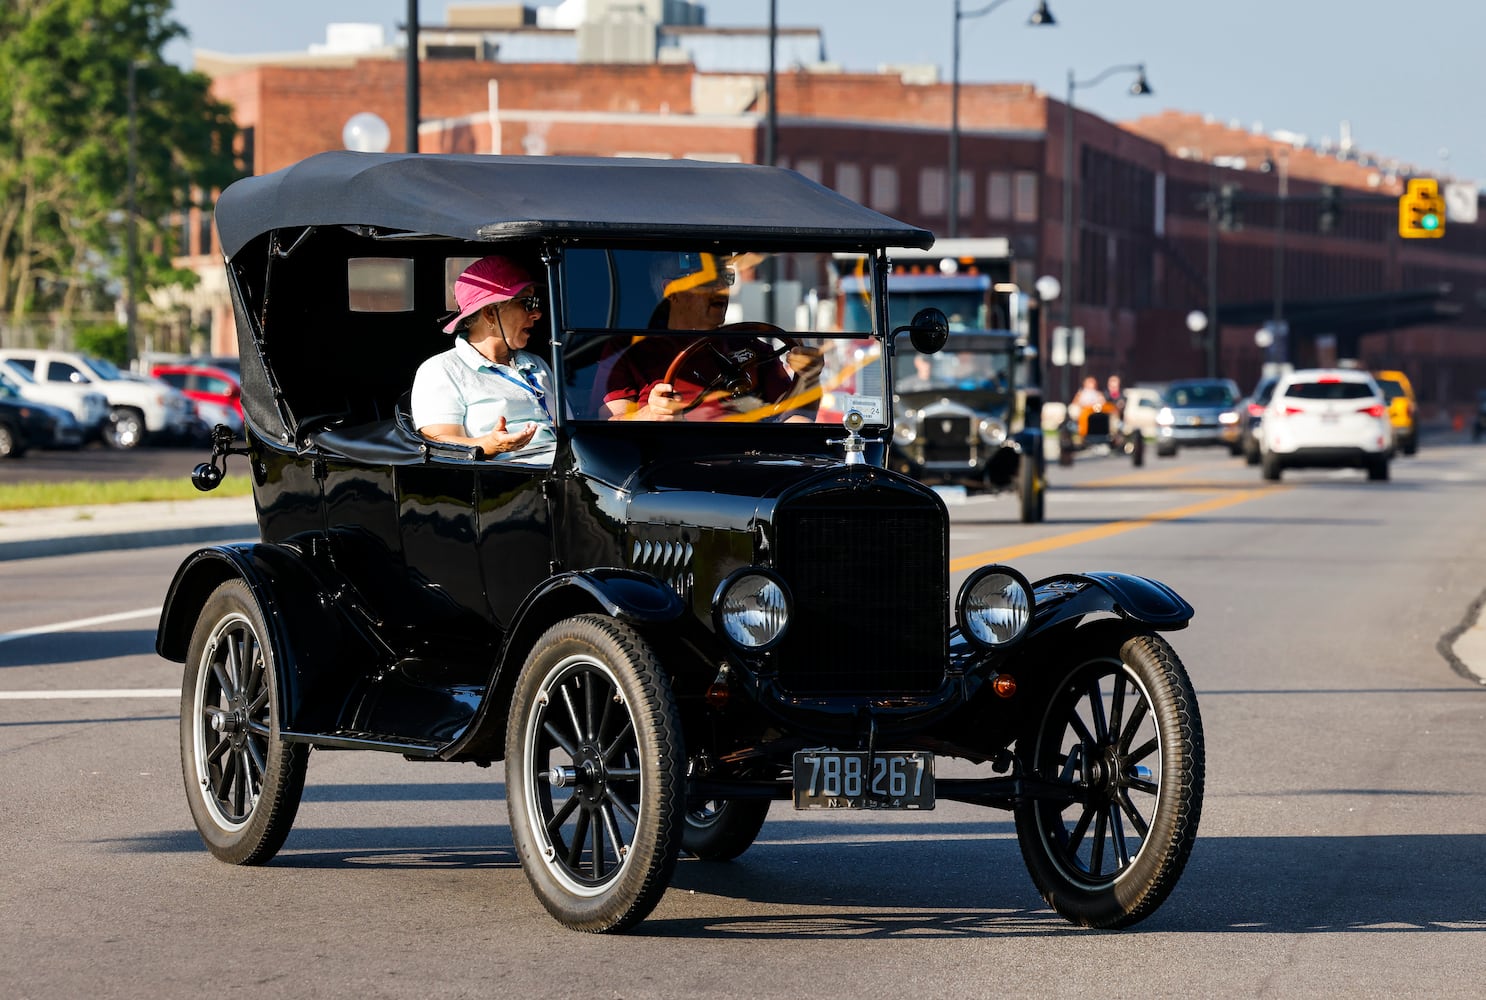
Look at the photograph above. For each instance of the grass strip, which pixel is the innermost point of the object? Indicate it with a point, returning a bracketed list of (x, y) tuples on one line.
[(30, 496)]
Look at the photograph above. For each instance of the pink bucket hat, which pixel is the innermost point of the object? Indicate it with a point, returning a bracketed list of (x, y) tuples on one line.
[(487, 280)]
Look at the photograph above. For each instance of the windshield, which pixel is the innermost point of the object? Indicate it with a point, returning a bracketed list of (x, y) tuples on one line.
[(103, 369), (962, 299), (708, 335), (17, 373), (1201, 394), (1391, 389), (950, 369)]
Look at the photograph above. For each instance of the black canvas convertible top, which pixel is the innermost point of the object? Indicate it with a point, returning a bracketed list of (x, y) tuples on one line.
[(491, 198)]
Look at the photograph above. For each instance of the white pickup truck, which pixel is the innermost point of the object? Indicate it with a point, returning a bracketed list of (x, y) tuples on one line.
[(136, 408)]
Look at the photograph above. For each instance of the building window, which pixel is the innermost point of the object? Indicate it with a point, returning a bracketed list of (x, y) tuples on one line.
[(1024, 208), (809, 168), (967, 194), (998, 196), (885, 189), (931, 193), (204, 230), (849, 181)]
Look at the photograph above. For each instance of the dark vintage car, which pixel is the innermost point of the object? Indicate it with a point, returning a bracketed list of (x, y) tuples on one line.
[(661, 627), (956, 420)]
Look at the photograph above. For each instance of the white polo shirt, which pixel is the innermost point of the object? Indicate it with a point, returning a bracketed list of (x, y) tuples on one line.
[(461, 386)]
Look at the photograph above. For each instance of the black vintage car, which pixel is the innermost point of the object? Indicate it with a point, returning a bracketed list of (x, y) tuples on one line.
[(957, 420), (660, 627)]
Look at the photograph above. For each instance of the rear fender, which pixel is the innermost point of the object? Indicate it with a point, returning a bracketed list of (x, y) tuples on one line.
[(1071, 596), (616, 593), (308, 637)]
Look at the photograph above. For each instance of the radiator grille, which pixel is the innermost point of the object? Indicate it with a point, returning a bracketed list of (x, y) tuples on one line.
[(870, 586), (946, 439)]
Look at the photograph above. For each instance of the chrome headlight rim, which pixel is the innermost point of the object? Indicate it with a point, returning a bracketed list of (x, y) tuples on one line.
[(992, 431), (737, 578), (969, 590)]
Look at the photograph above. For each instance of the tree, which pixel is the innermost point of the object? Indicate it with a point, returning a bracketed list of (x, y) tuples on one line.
[(64, 150)]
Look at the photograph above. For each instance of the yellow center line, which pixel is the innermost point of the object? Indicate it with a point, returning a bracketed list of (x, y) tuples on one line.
[(1107, 530)]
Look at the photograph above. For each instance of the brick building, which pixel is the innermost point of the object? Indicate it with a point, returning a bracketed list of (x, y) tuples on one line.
[(1143, 232)]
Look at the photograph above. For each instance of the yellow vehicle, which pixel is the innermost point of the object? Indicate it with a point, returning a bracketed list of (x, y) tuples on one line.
[(1402, 409)]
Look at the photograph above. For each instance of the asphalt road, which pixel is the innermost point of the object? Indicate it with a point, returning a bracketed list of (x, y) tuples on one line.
[(95, 462), (1339, 852)]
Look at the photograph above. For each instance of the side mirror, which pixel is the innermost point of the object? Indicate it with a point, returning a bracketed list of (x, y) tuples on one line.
[(929, 331)]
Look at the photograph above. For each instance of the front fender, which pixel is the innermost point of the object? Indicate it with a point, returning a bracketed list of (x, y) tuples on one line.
[(307, 635), (618, 593), (1069, 596)]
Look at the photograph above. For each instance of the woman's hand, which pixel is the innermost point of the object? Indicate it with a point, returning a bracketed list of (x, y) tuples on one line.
[(499, 440)]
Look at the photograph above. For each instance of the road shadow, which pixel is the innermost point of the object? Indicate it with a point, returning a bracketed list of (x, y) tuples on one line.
[(954, 880), (1293, 885), (76, 647)]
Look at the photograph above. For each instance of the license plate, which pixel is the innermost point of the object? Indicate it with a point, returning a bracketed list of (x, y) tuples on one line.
[(844, 779)]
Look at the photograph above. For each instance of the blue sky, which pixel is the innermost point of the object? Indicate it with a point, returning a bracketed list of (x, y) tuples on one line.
[(1405, 78)]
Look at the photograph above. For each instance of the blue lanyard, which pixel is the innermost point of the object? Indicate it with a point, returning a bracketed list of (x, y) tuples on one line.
[(527, 382)]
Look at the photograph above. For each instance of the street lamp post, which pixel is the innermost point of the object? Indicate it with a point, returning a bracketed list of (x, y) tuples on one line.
[(1139, 88), (1041, 17)]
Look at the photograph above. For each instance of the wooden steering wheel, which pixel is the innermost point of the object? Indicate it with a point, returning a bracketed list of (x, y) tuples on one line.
[(738, 373)]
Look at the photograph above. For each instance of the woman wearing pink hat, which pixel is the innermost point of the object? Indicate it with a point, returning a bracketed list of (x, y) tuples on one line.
[(486, 391)]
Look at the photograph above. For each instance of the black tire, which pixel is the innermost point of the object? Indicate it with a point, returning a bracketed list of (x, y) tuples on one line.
[(1032, 490), (243, 782), (722, 829), (1251, 456), (1272, 467), (1377, 469), (1411, 444), (1123, 724), (593, 712), (1165, 451), (125, 428), (12, 445), (1137, 449)]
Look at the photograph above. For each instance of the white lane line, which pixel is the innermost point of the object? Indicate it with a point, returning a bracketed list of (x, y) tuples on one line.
[(90, 693), (122, 616)]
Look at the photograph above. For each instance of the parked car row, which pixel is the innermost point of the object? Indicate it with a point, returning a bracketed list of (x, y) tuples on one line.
[(177, 401)]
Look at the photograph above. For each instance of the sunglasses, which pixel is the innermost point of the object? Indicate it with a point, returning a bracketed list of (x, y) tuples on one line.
[(531, 303)]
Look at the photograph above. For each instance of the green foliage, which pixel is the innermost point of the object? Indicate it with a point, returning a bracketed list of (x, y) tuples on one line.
[(65, 142), (29, 496), (109, 341)]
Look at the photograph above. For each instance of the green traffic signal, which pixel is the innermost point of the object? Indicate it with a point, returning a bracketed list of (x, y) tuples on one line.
[(1429, 220)]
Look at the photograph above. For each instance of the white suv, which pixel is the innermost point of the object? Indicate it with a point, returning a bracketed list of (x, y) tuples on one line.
[(136, 408), (88, 407), (1326, 417)]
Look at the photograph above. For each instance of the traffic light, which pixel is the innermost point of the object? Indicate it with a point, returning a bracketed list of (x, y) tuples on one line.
[(1421, 210), (1331, 207), (1228, 215)]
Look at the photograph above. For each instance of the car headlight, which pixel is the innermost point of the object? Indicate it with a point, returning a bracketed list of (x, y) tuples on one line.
[(1228, 417), (992, 431), (994, 606), (1165, 416), (904, 431), (752, 608)]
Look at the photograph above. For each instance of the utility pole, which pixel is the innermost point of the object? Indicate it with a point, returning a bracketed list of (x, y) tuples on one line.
[(412, 109)]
